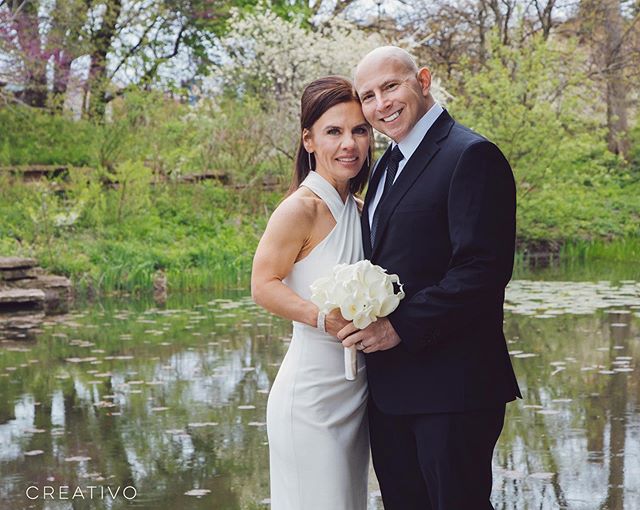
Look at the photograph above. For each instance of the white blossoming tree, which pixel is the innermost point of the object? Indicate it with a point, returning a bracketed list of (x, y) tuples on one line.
[(273, 59)]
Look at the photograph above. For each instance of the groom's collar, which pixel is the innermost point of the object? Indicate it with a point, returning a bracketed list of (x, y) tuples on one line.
[(410, 142)]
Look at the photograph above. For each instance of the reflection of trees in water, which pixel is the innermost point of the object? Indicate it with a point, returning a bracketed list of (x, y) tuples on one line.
[(206, 383), (570, 444), (617, 391), (236, 352)]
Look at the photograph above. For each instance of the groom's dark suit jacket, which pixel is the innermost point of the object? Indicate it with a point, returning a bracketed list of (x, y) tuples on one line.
[(447, 228)]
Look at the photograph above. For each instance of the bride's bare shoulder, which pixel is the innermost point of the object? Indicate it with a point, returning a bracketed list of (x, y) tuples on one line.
[(299, 209)]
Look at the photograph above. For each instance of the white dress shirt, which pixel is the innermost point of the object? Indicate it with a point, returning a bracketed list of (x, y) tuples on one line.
[(407, 146)]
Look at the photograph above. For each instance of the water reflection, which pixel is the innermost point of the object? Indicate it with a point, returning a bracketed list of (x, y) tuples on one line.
[(173, 399)]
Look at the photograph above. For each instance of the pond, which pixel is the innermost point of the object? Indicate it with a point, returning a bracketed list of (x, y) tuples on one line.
[(164, 407)]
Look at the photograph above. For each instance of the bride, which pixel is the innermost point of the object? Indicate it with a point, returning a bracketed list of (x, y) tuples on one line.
[(316, 419)]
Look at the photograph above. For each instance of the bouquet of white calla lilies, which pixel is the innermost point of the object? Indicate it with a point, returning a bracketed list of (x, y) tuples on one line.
[(363, 292)]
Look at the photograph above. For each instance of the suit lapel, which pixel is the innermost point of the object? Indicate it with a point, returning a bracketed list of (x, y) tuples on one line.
[(376, 173), (419, 160)]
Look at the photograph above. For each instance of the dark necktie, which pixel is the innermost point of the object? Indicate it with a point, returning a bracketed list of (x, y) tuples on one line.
[(392, 169)]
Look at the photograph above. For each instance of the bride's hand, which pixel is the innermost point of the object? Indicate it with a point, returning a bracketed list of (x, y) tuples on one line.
[(334, 322)]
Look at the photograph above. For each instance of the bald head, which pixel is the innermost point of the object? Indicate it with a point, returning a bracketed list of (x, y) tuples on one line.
[(384, 55)]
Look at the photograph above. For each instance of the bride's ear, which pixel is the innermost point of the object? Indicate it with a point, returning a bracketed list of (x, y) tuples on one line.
[(306, 140)]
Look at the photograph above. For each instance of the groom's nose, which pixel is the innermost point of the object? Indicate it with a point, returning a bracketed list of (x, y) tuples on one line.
[(382, 102)]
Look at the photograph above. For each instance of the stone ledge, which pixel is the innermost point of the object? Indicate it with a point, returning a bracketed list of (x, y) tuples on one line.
[(8, 296), (16, 263)]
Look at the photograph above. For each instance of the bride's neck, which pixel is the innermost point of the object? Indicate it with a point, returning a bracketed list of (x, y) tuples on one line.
[(342, 187)]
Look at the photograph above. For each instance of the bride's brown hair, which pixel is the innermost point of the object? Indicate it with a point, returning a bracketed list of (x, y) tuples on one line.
[(317, 98)]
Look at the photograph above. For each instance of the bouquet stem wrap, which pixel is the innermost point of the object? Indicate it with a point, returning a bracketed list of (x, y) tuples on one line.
[(363, 292), (350, 363)]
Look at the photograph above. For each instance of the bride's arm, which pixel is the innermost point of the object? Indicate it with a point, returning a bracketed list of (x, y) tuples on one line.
[(287, 234)]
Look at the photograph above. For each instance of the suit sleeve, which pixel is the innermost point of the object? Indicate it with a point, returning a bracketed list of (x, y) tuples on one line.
[(481, 209)]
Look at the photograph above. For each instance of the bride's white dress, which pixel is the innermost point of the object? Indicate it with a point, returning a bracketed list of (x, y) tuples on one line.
[(316, 419)]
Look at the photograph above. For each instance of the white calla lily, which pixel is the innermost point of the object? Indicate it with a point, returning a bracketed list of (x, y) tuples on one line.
[(363, 292)]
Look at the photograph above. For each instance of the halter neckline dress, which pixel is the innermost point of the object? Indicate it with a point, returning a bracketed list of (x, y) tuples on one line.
[(316, 419)]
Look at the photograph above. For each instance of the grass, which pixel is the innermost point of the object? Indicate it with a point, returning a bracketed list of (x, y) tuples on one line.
[(622, 250)]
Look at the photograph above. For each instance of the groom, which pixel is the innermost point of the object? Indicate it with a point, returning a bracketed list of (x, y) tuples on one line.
[(440, 213)]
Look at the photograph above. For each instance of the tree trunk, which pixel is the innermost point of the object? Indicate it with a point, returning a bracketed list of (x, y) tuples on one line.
[(102, 41), (616, 93), (26, 26)]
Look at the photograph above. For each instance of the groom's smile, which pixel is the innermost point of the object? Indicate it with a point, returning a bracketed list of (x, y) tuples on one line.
[(392, 117)]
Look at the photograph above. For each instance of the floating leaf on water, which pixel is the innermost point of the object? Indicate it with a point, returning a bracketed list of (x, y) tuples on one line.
[(77, 458), (196, 425), (245, 407), (33, 431), (32, 453), (197, 492), (558, 370), (623, 369), (526, 355), (542, 476), (513, 353), (256, 424), (103, 403), (509, 473), (562, 400)]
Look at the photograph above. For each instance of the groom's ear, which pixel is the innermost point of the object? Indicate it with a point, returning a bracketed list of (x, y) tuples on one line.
[(424, 79)]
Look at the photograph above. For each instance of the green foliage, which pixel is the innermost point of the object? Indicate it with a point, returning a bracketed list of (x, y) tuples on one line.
[(237, 137), (123, 213), (28, 135), (199, 235), (532, 103), (634, 152)]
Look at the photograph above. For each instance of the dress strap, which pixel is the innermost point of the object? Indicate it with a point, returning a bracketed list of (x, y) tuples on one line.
[(321, 187)]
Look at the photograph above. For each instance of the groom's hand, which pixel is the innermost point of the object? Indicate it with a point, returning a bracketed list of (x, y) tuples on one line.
[(377, 336)]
